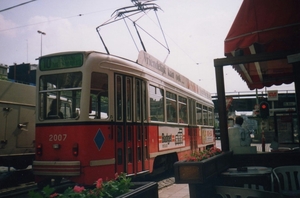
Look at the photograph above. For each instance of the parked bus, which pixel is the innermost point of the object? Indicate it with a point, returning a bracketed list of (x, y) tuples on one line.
[(123, 116)]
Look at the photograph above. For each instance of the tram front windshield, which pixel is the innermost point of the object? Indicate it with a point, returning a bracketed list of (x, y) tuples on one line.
[(59, 96)]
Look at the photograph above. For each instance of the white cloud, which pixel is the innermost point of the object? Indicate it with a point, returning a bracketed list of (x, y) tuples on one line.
[(7, 27)]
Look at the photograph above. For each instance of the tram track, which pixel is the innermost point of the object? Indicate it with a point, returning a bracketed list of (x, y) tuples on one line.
[(16, 177), (18, 191), (22, 191)]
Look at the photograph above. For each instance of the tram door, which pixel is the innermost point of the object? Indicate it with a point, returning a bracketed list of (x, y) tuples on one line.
[(142, 135), (128, 135)]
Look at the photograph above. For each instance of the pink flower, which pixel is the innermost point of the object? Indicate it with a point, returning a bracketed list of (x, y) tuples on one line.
[(54, 195), (99, 183), (116, 176), (205, 154), (78, 189)]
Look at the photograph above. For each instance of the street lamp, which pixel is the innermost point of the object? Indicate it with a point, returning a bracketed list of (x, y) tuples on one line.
[(42, 33)]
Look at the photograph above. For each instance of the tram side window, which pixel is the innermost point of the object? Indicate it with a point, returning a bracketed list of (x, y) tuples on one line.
[(210, 117), (183, 114), (199, 113), (145, 101), (156, 103), (128, 99), (99, 96), (205, 115), (138, 99), (59, 96), (119, 97), (171, 101)]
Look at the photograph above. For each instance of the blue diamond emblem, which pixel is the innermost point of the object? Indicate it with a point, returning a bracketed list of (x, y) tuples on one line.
[(99, 139)]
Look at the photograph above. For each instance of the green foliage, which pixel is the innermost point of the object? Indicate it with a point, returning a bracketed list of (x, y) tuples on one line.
[(46, 192)]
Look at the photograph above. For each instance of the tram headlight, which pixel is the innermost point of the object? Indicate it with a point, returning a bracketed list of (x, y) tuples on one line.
[(39, 149), (75, 149), (56, 146)]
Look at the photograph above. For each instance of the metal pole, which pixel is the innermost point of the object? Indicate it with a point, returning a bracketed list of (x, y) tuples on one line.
[(42, 33)]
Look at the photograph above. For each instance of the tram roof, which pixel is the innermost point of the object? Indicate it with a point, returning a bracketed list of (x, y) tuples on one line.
[(191, 88), (184, 84)]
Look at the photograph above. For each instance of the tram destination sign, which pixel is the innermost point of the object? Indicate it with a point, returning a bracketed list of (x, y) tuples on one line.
[(61, 61), (158, 67)]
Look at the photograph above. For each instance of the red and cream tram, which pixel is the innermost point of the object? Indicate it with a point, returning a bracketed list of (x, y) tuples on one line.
[(99, 114)]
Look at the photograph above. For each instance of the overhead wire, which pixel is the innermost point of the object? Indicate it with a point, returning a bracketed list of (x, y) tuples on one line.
[(16, 6), (159, 25), (78, 15)]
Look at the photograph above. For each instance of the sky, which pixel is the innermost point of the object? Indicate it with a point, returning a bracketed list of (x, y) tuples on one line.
[(194, 31)]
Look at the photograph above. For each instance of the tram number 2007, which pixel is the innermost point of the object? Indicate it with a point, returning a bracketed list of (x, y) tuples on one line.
[(57, 137)]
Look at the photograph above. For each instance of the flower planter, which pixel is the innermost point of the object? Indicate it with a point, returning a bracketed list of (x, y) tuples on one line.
[(201, 171), (120, 187), (142, 189)]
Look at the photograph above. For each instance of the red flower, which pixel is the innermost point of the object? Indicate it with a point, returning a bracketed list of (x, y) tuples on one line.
[(78, 189), (99, 183)]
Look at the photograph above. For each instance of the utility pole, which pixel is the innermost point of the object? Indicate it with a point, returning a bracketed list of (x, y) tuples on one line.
[(42, 33)]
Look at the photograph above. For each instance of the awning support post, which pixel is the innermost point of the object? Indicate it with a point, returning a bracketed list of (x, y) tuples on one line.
[(222, 108), (295, 60)]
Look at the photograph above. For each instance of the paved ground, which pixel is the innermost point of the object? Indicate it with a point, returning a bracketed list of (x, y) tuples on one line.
[(166, 183), (174, 190)]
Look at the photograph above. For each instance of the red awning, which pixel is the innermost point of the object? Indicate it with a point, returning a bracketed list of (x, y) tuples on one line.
[(265, 26)]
